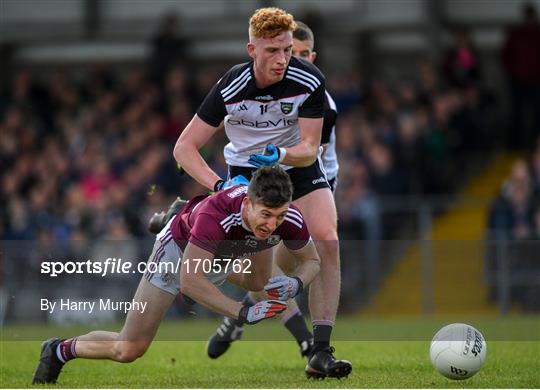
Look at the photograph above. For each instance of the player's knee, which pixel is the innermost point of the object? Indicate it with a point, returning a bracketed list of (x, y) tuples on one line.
[(326, 235), (126, 352), (328, 241), (128, 355)]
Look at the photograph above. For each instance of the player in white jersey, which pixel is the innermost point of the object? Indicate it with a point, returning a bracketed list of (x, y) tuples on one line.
[(272, 110), (230, 330), (303, 43)]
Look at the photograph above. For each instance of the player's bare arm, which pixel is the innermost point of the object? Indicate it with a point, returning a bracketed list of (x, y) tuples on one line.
[(284, 287), (308, 263), (186, 151), (305, 153), (260, 270), (195, 285)]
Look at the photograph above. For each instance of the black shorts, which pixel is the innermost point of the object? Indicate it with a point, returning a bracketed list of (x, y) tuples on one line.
[(304, 180), (333, 184)]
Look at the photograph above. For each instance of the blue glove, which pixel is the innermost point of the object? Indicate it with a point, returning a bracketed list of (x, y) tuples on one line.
[(272, 156), (260, 311), (235, 181), (283, 287)]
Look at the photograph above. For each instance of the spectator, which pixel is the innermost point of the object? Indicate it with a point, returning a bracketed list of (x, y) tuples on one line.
[(461, 64), (521, 60), (386, 177), (358, 202), (436, 146), (169, 47), (511, 213), (409, 151)]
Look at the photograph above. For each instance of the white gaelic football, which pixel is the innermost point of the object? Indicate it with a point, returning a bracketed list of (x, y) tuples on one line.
[(458, 351)]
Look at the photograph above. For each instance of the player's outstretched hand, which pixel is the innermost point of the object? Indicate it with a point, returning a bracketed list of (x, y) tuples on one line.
[(283, 287), (235, 181), (272, 156), (260, 311)]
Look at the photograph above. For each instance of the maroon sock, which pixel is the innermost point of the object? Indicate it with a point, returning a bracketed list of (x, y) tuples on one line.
[(66, 350)]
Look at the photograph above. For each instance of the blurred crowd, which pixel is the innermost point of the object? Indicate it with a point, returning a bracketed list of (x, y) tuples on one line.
[(81, 158), (90, 153), (514, 230), (86, 152)]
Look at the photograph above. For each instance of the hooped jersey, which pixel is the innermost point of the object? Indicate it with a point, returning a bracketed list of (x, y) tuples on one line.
[(215, 223), (255, 117)]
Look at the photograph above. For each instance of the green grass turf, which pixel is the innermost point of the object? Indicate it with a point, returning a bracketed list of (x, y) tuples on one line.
[(512, 361)]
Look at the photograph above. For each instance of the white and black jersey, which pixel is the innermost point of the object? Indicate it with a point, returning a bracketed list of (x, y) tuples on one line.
[(255, 117), (329, 157)]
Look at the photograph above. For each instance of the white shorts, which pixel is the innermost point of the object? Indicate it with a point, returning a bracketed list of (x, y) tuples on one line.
[(167, 258), (166, 255)]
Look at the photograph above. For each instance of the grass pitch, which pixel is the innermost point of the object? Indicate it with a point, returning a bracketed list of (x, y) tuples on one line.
[(513, 359)]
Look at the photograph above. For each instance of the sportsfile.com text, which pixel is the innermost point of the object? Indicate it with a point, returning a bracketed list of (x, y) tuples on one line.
[(113, 265)]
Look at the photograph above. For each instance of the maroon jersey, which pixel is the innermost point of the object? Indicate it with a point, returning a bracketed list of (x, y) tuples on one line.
[(215, 224)]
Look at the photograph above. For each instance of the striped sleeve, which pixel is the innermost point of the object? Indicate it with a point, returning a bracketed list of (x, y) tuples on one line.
[(311, 79), (236, 85), (301, 76), (295, 233)]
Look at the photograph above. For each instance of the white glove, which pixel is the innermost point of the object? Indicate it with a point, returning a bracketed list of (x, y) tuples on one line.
[(283, 287), (260, 311)]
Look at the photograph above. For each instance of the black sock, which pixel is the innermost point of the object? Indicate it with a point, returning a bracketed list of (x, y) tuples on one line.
[(298, 328), (321, 336)]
